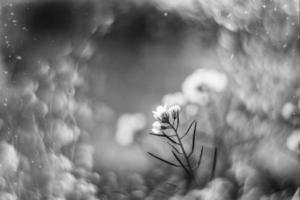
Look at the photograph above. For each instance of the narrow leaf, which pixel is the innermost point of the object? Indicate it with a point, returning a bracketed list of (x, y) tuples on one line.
[(200, 157), (214, 162), (169, 138), (188, 130), (161, 135), (182, 165), (194, 138), (163, 160), (177, 120), (174, 148)]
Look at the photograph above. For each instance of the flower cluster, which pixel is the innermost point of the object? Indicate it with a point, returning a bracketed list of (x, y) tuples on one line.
[(291, 113), (293, 142), (164, 115), (128, 126), (197, 86)]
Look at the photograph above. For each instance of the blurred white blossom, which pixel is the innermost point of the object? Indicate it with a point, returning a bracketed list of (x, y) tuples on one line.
[(174, 99), (9, 159), (8, 196), (197, 86), (288, 110), (293, 141), (62, 134), (84, 156), (128, 126)]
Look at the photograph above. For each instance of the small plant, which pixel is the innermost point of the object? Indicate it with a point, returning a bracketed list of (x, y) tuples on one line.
[(166, 126)]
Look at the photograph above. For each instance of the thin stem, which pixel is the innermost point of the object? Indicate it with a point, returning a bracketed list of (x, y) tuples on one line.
[(161, 135), (188, 130), (174, 148), (163, 160), (169, 138), (183, 166), (214, 162), (177, 121), (194, 138), (200, 157), (183, 150)]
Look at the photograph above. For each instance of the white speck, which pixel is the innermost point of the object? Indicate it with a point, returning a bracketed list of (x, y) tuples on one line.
[(165, 14), (14, 21), (284, 45), (12, 13), (19, 58), (5, 102), (10, 4)]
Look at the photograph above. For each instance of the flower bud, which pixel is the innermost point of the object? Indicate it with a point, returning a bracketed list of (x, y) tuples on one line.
[(174, 111), (161, 114)]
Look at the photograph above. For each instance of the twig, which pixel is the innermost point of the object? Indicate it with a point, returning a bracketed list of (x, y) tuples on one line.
[(163, 160), (183, 151), (188, 130), (161, 135), (182, 165), (169, 138), (174, 148)]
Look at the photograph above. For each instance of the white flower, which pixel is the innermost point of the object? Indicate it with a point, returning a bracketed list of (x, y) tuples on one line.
[(158, 126), (62, 134), (9, 160), (288, 110), (156, 131), (174, 111), (161, 114), (175, 98), (196, 86), (128, 126), (293, 141)]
